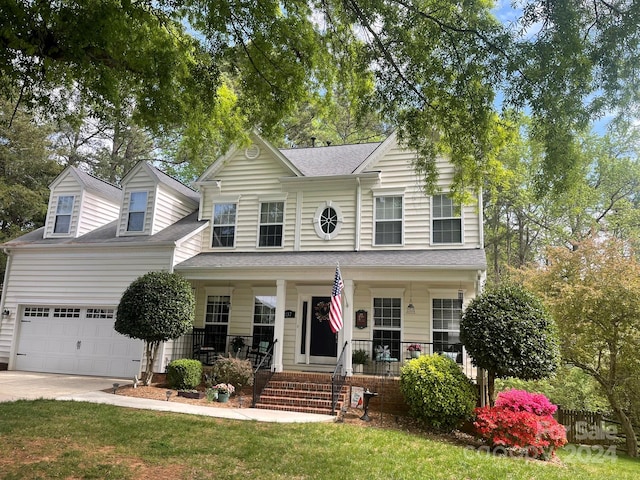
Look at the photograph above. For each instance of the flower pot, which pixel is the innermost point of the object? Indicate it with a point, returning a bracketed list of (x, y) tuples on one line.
[(223, 397), (358, 368), (185, 394), (415, 353)]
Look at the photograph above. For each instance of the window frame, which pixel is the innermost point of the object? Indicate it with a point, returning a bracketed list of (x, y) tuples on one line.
[(267, 224), (381, 221), (455, 306), (130, 211), (233, 225), (63, 201), (437, 216), (394, 331), (317, 220)]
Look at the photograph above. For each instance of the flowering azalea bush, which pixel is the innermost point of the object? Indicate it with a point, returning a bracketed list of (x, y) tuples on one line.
[(415, 347), (521, 400), (224, 388), (521, 421)]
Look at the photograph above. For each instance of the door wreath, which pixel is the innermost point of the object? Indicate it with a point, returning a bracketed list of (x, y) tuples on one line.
[(322, 311)]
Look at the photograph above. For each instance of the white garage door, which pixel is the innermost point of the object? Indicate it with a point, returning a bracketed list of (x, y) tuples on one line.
[(76, 340)]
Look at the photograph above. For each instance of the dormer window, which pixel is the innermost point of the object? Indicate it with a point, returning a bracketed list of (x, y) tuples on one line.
[(63, 214), (137, 211)]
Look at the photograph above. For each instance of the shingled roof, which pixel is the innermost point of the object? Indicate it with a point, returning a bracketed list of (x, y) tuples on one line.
[(333, 160)]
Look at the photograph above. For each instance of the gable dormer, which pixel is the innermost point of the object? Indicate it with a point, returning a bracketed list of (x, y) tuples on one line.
[(80, 203), (152, 200)]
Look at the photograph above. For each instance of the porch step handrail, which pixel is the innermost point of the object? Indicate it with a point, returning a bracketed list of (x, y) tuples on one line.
[(261, 376), (337, 379)]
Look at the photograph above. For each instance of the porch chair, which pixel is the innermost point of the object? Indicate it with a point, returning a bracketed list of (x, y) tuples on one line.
[(260, 351)]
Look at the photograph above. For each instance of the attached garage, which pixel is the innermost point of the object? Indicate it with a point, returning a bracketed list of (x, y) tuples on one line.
[(75, 340)]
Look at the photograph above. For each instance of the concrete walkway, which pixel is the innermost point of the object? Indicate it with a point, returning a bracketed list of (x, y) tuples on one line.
[(30, 386)]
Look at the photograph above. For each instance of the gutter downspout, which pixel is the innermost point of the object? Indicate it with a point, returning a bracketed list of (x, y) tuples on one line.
[(5, 287), (356, 246)]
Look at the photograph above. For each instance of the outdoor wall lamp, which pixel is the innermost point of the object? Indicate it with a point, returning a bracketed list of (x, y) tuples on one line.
[(5, 313)]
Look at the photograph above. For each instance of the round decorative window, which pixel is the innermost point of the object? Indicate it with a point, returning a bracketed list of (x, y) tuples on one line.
[(327, 221)]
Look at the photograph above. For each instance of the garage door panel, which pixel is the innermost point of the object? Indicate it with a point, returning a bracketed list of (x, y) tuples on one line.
[(76, 343)]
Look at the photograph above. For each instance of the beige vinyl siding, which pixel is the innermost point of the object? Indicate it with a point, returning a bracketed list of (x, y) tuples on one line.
[(66, 187), (343, 198), (169, 208), (187, 249), (96, 212), (141, 182), (251, 179), (397, 173), (67, 276)]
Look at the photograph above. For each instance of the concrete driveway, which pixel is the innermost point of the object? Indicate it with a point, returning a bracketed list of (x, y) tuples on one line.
[(30, 386)]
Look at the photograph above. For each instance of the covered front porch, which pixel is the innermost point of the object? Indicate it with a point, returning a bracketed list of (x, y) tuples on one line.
[(395, 305)]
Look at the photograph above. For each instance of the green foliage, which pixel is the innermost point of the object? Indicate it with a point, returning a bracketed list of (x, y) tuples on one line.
[(569, 387), (508, 332), (235, 371), (360, 357), (156, 307), (437, 391), (184, 373)]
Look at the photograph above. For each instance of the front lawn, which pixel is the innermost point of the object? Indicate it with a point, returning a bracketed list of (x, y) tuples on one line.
[(49, 439)]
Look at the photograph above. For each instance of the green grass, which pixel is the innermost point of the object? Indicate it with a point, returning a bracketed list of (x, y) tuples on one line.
[(49, 439)]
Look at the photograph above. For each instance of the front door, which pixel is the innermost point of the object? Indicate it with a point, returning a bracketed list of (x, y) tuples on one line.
[(323, 345)]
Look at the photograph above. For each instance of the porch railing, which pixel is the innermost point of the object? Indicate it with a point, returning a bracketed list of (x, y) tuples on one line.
[(206, 347), (337, 379), (388, 357), (262, 373)]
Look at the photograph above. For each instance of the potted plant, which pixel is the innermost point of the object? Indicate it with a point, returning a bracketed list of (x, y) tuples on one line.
[(224, 391), (415, 350), (237, 344), (359, 358)]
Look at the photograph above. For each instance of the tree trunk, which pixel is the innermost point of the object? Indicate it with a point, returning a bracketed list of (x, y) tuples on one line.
[(627, 428), (151, 349), (491, 387)]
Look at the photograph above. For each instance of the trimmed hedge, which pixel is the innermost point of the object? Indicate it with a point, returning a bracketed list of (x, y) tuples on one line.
[(437, 392), (184, 374)]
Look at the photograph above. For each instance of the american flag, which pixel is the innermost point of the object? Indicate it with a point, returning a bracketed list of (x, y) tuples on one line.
[(335, 312)]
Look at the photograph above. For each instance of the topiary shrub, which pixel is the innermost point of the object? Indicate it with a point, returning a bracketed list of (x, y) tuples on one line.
[(184, 374), (235, 371), (437, 392)]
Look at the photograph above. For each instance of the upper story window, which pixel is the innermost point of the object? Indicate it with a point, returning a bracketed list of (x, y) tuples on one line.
[(63, 214), (137, 211), (224, 225), (388, 223), (271, 224), (446, 222)]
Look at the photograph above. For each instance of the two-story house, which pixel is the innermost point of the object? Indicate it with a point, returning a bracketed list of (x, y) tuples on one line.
[(259, 241)]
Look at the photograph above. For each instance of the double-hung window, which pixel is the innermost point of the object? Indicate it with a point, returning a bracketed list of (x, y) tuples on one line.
[(224, 225), (446, 220), (387, 317), (64, 210), (137, 211), (388, 224), (264, 318), (271, 224), (216, 321), (446, 314)]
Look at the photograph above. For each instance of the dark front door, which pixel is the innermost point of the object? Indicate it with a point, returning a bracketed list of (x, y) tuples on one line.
[(324, 346)]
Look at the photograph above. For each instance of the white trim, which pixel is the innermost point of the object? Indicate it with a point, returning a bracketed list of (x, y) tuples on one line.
[(297, 240), (433, 218), (271, 199), (388, 192), (375, 220), (224, 200), (316, 220)]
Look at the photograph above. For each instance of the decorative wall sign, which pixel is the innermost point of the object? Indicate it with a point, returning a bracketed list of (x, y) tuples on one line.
[(361, 319)]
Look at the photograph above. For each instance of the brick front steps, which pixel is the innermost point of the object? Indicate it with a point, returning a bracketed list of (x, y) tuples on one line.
[(301, 392)]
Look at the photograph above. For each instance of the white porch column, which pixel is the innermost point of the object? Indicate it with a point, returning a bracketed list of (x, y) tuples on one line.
[(278, 329), (348, 320)]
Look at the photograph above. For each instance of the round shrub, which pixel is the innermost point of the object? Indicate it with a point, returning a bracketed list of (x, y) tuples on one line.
[(437, 392), (235, 371), (184, 374)]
